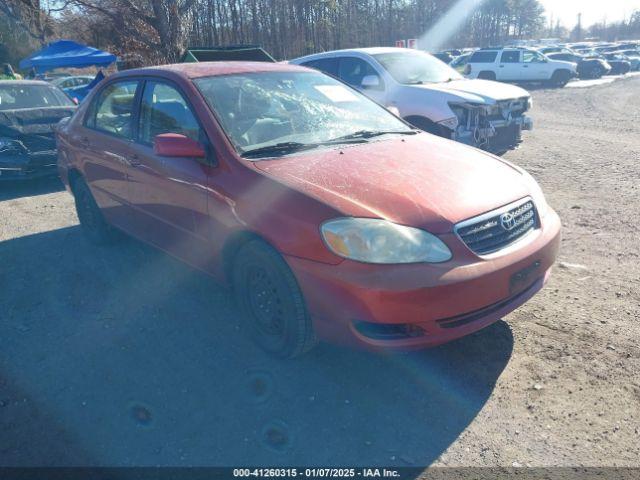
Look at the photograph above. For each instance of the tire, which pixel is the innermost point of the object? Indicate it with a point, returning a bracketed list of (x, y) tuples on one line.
[(272, 307), (486, 76), (560, 78), (94, 226), (595, 72)]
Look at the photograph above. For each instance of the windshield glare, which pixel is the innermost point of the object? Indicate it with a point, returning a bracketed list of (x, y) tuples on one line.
[(261, 109), (415, 67), (14, 97)]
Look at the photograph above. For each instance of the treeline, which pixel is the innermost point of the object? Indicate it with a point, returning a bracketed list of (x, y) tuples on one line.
[(160, 30), (626, 29), (157, 31), (295, 27)]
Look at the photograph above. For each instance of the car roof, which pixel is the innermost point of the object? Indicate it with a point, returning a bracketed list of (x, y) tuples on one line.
[(209, 69), (367, 51)]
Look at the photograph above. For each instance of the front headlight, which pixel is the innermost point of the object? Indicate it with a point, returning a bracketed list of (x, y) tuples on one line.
[(373, 240), (6, 143)]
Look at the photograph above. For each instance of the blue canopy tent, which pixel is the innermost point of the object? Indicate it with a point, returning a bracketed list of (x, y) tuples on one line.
[(66, 53)]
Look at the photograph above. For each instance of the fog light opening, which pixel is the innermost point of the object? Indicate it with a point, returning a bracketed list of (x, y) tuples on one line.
[(388, 331)]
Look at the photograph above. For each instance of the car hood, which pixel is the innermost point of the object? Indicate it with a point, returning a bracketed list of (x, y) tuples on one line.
[(562, 64), (422, 180), (33, 128), (477, 91), (25, 121)]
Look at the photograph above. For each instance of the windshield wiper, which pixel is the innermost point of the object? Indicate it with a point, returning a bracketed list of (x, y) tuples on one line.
[(369, 134), (281, 148)]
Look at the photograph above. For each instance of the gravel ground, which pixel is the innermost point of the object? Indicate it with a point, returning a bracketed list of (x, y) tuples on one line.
[(123, 356)]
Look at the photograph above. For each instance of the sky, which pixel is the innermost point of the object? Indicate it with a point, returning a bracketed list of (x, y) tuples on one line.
[(592, 10)]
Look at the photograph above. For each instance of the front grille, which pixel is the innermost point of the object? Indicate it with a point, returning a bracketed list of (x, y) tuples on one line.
[(496, 230)]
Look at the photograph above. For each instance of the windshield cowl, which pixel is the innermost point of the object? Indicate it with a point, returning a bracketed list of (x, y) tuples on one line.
[(289, 148)]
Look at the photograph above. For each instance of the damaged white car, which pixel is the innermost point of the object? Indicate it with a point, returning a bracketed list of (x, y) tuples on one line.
[(431, 95)]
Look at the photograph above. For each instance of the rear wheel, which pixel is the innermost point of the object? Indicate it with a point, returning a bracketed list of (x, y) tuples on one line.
[(92, 222), (272, 306), (560, 78)]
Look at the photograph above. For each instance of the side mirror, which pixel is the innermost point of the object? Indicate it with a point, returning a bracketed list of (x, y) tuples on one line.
[(370, 81), (177, 145)]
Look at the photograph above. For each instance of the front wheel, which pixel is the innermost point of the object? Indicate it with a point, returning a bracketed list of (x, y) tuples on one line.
[(597, 72), (92, 222), (271, 303), (560, 78)]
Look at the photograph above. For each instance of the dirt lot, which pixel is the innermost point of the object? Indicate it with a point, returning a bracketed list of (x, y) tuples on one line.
[(122, 356)]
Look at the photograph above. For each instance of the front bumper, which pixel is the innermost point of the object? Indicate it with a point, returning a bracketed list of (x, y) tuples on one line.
[(27, 167), (439, 302), (496, 135)]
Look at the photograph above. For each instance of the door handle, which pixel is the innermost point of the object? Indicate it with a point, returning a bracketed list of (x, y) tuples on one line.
[(525, 66), (84, 141), (501, 66)]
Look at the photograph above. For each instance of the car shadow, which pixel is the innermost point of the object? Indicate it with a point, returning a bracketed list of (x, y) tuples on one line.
[(29, 188), (139, 360)]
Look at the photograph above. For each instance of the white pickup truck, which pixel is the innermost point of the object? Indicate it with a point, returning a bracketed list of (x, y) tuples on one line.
[(431, 95)]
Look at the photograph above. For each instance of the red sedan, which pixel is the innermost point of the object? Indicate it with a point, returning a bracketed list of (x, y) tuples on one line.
[(330, 217)]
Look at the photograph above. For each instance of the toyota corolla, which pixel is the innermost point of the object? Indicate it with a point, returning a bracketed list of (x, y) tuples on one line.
[(330, 217)]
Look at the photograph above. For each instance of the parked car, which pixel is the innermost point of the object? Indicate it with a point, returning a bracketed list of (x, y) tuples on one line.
[(445, 57), (79, 93), (460, 63), (620, 65), (588, 67), (74, 81), (432, 96), (519, 65), (555, 49), (632, 56), (29, 111), (330, 217)]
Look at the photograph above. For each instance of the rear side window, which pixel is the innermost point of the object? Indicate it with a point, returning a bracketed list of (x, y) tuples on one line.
[(164, 110), (112, 112), (483, 57), (510, 57), (326, 65)]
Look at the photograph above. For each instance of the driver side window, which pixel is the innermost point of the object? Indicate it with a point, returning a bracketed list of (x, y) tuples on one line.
[(352, 70), (164, 110), (532, 57)]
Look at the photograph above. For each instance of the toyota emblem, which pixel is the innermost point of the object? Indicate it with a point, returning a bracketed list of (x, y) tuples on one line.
[(508, 221)]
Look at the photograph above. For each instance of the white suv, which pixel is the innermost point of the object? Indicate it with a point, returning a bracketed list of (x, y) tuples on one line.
[(519, 65), (431, 95)]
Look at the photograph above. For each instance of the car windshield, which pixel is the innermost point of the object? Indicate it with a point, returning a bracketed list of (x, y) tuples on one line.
[(414, 67), (268, 109), (18, 96)]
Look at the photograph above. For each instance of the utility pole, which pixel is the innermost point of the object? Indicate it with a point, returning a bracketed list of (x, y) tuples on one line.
[(579, 28)]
